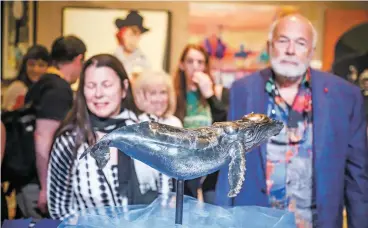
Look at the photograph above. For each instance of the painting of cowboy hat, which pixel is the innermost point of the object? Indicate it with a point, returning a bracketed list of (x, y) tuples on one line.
[(133, 19)]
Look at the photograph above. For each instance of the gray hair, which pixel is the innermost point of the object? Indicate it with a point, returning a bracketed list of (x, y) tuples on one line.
[(275, 23)]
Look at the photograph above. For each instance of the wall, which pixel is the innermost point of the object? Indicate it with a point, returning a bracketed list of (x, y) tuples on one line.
[(49, 17), (337, 23)]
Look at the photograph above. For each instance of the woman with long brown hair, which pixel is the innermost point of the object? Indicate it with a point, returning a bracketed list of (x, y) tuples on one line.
[(103, 102), (200, 102)]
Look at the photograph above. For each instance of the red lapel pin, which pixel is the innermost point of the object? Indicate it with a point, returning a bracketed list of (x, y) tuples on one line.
[(325, 90)]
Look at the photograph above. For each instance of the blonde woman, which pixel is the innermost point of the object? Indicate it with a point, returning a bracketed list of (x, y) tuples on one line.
[(154, 93)]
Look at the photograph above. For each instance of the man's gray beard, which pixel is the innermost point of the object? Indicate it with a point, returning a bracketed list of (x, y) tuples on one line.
[(289, 72)]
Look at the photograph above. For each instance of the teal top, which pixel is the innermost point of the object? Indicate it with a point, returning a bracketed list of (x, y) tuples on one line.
[(197, 115)]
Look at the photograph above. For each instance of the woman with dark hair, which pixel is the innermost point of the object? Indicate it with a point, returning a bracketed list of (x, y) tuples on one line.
[(200, 102), (103, 103), (34, 64)]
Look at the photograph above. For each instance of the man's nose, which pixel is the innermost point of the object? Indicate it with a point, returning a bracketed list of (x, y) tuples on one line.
[(290, 50)]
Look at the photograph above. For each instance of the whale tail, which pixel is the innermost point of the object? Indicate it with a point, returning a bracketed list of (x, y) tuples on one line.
[(100, 152), (236, 168)]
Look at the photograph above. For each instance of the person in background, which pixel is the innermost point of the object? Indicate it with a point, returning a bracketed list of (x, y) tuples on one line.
[(319, 161), (4, 204), (154, 93), (103, 103), (128, 36), (199, 103), (53, 98), (34, 64)]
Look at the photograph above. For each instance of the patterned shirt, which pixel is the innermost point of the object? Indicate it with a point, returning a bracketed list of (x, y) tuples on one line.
[(289, 175)]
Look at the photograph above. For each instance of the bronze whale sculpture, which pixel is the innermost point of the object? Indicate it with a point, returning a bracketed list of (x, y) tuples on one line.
[(186, 154)]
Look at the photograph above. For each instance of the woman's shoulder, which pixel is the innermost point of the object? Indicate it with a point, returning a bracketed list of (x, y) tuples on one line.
[(172, 121), (128, 114)]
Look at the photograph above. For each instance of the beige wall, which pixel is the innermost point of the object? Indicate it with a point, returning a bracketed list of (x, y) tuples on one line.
[(49, 18)]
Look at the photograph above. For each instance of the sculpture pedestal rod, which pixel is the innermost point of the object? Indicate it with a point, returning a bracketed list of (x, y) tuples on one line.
[(179, 201)]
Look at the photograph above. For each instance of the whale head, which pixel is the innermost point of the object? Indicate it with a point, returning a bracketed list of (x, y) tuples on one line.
[(254, 129)]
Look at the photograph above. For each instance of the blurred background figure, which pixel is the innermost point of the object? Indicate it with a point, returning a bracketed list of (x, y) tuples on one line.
[(199, 103), (52, 98), (155, 94), (34, 64), (4, 204)]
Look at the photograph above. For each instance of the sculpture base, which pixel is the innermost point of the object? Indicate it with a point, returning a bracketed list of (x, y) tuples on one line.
[(161, 214)]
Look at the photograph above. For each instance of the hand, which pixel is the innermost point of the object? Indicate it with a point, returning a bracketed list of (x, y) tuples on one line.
[(142, 102), (42, 201), (204, 83)]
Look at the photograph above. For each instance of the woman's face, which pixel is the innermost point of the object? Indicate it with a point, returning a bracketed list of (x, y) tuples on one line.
[(36, 68), (103, 91), (158, 97), (193, 62)]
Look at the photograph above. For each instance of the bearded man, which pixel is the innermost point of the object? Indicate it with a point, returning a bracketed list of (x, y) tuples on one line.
[(319, 162)]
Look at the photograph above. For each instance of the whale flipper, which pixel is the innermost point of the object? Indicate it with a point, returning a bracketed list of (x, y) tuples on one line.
[(236, 168)]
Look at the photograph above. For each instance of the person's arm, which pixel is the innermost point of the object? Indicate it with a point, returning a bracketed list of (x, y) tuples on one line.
[(356, 170), (219, 107), (60, 178), (44, 134), (3, 141), (53, 107)]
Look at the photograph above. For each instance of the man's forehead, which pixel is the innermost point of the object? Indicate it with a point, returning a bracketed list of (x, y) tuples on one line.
[(294, 28)]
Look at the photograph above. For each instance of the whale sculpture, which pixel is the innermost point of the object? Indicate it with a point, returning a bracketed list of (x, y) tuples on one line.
[(186, 154)]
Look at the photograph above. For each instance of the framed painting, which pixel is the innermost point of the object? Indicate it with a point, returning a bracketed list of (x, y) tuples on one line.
[(18, 34), (102, 31)]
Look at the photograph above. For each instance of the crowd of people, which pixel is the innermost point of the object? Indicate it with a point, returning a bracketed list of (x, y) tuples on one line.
[(316, 166)]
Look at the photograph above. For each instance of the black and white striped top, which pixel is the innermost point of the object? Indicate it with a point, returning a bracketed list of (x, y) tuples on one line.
[(75, 185)]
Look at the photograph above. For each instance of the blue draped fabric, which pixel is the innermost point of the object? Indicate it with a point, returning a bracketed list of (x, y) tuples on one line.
[(161, 214)]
